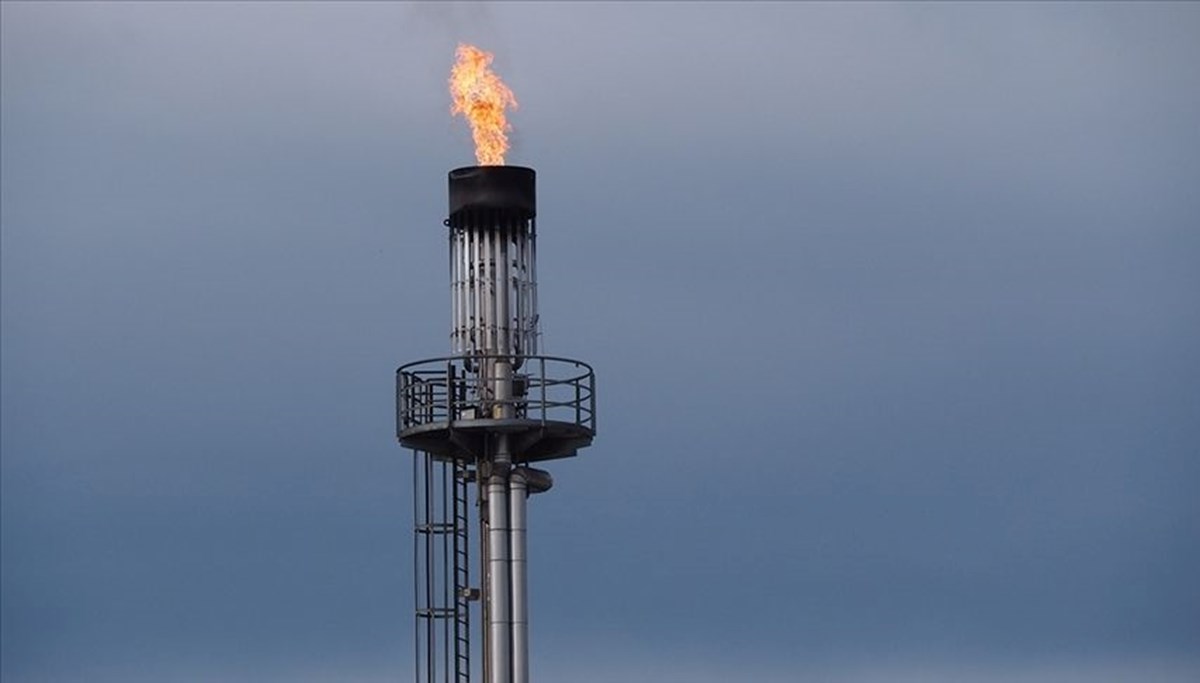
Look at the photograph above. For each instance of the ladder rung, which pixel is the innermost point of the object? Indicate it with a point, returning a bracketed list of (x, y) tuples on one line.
[(436, 612), (434, 528)]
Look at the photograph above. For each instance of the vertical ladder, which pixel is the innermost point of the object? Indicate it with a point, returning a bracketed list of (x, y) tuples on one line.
[(463, 476), (442, 592)]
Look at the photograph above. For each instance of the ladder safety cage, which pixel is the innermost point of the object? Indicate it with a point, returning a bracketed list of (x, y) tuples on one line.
[(442, 590)]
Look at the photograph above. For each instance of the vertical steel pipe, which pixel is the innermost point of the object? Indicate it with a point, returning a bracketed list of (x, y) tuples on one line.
[(470, 315), (453, 291), (503, 292), (533, 293), (484, 569), (520, 608), (499, 579)]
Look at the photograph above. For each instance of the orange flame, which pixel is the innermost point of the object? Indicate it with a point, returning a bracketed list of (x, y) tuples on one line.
[(478, 94)]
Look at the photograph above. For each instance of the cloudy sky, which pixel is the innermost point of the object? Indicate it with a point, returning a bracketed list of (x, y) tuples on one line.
[(895, 310)]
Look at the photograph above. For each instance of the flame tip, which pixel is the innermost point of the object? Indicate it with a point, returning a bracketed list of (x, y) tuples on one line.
[(481, 97)]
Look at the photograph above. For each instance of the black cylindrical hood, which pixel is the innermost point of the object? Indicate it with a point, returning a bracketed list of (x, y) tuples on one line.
[(508, 190)]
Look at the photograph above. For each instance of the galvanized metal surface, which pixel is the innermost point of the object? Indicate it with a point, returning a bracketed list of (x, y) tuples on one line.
[(441, 570), (449, 405), (518, 565), (499, 582), (481, 415), (493, 288)]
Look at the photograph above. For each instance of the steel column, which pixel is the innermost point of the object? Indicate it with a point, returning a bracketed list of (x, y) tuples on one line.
[(520, 607)]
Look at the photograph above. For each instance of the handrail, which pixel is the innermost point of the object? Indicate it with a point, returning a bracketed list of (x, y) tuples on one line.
[(443, 359), (546, 389)]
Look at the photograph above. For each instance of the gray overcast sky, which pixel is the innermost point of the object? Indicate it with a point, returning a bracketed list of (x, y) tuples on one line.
[(895, 310)]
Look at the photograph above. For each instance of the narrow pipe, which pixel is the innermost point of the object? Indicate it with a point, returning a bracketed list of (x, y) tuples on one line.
[(517, 288), (527, 309), (464, 292), (498, 298), (454, 309), (520, 607), (499, 580), (533, 303), (485, 300), (503, 289), (469, 303)]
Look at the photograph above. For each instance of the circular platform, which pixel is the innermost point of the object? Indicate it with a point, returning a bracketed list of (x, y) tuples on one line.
[(448, 407)]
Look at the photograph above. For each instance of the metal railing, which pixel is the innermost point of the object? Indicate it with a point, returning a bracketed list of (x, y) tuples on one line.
[(458, 389)]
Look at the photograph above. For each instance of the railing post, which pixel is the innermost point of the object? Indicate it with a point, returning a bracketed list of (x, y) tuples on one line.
[(542, 381), (400, 401), (451, 379)]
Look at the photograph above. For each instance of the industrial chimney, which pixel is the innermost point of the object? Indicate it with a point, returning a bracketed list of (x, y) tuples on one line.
[(476, 420)]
